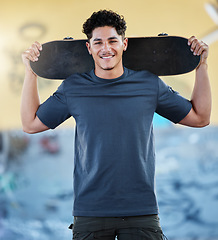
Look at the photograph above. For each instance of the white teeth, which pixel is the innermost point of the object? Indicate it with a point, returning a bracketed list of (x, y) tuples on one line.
[(107, 57)]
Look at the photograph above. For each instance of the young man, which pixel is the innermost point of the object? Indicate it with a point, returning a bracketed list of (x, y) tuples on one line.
[(113, 107)]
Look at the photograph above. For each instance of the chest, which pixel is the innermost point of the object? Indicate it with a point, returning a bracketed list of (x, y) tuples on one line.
[(105, 110)]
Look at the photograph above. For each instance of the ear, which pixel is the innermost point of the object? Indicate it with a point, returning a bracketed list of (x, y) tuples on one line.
[(125, 44), (88, 47)]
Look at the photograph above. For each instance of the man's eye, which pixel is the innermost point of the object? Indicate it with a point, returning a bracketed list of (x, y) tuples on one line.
[(97, 43), (113, 41)]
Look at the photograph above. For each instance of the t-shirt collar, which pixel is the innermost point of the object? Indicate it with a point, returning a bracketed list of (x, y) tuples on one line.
[(98, 79)]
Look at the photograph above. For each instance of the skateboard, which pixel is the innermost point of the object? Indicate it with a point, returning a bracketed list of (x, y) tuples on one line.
[(161, 55)]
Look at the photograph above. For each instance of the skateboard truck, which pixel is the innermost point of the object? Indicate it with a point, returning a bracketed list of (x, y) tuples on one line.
[(162, 34), (68, 38)]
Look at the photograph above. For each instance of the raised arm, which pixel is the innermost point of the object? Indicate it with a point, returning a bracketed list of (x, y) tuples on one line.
[(30, 97), (199, 116)]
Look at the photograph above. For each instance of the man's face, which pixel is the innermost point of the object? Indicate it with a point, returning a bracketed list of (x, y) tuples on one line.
[(106, 48)]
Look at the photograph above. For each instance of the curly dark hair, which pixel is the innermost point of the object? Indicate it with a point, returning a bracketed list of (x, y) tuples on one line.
[(104, 18)]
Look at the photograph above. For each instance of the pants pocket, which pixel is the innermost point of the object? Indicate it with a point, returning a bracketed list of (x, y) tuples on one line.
[(155, 233), (140, 234)]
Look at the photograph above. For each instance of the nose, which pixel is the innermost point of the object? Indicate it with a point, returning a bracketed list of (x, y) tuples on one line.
[(106, 47)]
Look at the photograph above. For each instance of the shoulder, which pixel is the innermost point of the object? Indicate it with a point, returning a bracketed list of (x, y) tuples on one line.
[(144, 75), (141, 73), (76, 79)]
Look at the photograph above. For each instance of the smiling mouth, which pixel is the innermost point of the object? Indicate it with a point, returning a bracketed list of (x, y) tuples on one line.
[(107, 57)]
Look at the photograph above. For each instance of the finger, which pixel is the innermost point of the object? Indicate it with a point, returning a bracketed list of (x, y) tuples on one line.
[(203, 47), (194, 45), (28, 54), (32, 54), (39, 45), (199, 47), (190, 40), (35, 49)]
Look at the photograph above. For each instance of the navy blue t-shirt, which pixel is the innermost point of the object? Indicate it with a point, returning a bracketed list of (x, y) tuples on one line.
[(114, 161)]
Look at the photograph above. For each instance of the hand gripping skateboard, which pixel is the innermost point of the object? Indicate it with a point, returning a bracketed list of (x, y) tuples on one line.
[(162, 55)]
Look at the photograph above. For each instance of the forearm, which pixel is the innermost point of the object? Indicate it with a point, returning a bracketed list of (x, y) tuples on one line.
[(201, 95), (29, 99)]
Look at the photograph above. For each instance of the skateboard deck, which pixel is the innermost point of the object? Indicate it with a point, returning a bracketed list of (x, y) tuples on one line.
[(162, 55)]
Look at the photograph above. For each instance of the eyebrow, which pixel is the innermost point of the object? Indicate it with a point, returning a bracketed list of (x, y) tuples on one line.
[(99, 39)]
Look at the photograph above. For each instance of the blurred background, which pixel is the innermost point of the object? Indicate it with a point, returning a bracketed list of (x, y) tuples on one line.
[(36, 170)]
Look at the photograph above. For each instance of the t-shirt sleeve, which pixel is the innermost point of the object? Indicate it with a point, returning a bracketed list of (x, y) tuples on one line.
[(54, 110), (171, 104)]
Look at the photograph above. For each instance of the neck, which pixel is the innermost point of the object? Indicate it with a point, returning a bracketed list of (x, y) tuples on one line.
[(110, 73)]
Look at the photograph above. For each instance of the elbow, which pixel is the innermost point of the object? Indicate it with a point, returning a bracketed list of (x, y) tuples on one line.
[(204, 123), (29, 126), (196, 120), (34, 127), (29, 129)]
